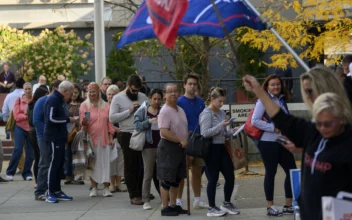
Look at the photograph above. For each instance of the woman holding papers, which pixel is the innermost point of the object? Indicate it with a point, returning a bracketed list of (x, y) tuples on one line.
[(213, 125), (272, 152)]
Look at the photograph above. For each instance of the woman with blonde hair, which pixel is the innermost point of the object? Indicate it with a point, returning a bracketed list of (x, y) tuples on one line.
[(326, 140), (94, 116), (117, 165), (320, 80), (213, 125)]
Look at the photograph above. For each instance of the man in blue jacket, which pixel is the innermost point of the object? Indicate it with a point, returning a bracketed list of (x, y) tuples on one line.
[(55, 135), (44, 160)]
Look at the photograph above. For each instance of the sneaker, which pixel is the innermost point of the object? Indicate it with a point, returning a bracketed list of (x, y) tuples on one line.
[(40, 197), (200, 205), (93, 192), (63, 197), (273, 211), (151, 197), (51, 198), (179, 203), (218, 184), (288, 210), (29, 178), (229, 208), (106, 192), (215, 212), (147, 206), (9, 178), (169, 211), (180, 210)]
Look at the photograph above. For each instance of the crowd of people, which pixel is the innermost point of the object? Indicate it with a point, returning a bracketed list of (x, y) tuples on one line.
[(105, 118)]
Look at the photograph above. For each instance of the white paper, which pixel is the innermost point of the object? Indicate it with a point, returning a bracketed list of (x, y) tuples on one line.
[(238, 131)]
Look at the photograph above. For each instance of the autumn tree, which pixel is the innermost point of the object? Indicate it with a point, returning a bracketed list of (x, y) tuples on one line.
[(330, 20)]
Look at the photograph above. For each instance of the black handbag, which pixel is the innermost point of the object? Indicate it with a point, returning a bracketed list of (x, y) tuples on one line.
[(198, 146)]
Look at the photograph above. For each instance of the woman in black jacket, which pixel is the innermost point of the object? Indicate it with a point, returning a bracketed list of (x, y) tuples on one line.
[(327, 167), (40, 92)]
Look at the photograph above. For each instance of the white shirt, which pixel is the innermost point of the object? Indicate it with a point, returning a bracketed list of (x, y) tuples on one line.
[(36, 86), (9, 103)]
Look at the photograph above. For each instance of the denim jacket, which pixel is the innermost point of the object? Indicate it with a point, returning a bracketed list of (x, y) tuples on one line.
[(141, 122)]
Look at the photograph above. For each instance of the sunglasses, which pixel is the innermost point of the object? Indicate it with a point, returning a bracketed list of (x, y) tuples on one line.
[(309, 92)]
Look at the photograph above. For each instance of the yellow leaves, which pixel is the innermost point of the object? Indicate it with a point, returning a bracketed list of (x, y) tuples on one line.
[(297, 7)]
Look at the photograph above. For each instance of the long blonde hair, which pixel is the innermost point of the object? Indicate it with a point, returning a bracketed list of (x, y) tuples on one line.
[(101, 102), (323, 80)]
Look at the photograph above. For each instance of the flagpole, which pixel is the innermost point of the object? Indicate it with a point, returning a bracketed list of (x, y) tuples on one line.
[(277, 35), (227, 34)]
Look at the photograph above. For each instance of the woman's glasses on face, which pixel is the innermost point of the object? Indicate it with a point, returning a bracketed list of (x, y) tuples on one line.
[(325, 124)]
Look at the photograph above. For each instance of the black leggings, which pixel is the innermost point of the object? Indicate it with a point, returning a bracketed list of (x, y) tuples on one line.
[(273, 154), (34, 142), (219, 161)]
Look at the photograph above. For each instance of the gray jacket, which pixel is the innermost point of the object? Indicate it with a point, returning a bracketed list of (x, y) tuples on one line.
[(141, 122), (211, 126)]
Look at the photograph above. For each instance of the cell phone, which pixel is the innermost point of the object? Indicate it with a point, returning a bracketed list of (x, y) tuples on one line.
[(281, 141), (231, 119), (87, 115)]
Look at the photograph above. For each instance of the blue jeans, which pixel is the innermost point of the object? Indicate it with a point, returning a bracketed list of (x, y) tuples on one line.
[(20, 137), (43, 167), (68, 162)]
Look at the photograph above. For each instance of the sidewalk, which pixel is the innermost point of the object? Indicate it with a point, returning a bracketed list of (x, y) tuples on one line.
[(17, 202)]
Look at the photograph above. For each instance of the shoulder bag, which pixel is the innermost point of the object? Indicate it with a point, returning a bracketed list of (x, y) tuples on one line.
[(198, 146), (137, 141), (10, 124)]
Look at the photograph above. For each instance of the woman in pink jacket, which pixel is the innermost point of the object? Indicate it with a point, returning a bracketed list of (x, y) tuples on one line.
[(94, 115), (21, 133)]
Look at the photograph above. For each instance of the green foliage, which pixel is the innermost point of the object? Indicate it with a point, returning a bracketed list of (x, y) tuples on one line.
[(120, 62)]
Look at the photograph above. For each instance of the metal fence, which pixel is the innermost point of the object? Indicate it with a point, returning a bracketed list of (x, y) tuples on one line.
[(234, 89)]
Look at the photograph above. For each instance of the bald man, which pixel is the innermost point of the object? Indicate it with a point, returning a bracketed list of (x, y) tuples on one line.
[(41, 81)]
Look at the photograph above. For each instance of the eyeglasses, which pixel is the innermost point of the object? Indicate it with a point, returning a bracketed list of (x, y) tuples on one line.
[(134, 90), (170, 92), (325, 124), (309, 92)]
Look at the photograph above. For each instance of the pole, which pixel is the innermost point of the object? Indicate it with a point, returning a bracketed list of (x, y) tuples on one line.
[(277, 35), (99, 40)]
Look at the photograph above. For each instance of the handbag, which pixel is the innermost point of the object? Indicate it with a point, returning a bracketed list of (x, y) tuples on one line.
[(237, 152), (137, 141), (72, 134), (252, 131), (10, 124), (198, 146)]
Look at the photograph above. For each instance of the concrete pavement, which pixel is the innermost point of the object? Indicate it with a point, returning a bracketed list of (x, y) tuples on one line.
[(17, 202)]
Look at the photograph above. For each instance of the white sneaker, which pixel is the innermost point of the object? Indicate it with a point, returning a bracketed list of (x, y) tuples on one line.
[(29, 178), (106, 192), (200, 204), (179, 203), (93, 192), (229, 208), (9, 178), (147, 206)]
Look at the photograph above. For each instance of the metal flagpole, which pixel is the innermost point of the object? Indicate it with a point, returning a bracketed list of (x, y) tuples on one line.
[(277, 35), (227, 34)]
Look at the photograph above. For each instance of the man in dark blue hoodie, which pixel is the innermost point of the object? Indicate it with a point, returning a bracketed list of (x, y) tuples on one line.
[(55, 134)]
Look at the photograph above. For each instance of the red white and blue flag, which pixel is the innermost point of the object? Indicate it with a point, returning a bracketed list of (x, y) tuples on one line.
[(165, 16)]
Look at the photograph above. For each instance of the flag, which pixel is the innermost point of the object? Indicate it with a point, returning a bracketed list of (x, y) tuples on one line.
[(166, 16), (200, 19)]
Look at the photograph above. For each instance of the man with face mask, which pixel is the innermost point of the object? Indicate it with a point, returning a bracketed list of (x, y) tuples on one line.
[(122, 108)]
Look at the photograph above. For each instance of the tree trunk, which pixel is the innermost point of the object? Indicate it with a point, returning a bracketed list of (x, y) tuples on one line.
[(205, 81)]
